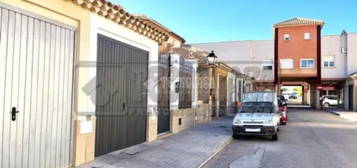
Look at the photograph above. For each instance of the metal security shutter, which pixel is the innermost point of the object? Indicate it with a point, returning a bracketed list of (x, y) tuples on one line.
[(164, 94), (36, 73), (121, 103)]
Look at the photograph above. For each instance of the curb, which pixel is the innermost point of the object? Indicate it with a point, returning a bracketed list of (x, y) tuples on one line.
[(335, 113), (332, 112), (227, 142)]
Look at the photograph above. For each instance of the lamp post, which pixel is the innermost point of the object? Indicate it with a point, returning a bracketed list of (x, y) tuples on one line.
[(211, 62), (211, 58)]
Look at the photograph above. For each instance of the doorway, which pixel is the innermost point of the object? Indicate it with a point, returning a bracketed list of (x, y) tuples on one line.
[(294, 94), (350, 97), (222, 95)]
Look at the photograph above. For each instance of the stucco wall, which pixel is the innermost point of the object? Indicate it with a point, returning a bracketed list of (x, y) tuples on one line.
[(182, 119), (331, 46), (245, 56), (230, 90), (352, 53)]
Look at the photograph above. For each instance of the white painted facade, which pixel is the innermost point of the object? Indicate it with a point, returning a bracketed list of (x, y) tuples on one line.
[(331, 49), (247, 57), (351, 53)]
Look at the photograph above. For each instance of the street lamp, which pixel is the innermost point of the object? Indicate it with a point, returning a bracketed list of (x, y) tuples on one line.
[(211, 62), (211, 58)]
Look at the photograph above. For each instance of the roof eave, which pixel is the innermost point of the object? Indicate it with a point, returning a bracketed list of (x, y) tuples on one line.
[(295, 25), (118, 15)]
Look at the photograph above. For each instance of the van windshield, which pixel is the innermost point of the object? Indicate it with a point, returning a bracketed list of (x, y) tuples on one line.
[(256, 107)]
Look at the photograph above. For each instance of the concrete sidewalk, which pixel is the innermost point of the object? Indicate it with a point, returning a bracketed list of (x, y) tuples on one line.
[(189, 148), (347, 115)]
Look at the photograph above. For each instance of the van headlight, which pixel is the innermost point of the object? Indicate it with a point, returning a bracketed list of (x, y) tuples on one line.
[(237, 122)]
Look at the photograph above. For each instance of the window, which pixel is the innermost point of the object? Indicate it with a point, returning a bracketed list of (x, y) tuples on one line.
[(286, 63), (286, 36), (307, 36), (267, 67), (329, 61), (307, 63)]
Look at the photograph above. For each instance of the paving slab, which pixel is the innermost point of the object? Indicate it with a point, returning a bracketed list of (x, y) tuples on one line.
[(347, 115), (249, 161), (189, 148)]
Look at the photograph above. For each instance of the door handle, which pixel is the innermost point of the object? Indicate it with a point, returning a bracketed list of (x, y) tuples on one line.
[(13, 113), (123, 106)]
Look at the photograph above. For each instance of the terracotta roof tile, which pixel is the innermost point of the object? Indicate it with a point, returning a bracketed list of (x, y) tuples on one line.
[(299, 21), (146, 19), (117, 14)]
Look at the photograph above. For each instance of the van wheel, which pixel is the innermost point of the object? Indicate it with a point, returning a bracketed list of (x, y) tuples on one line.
[(236, 136), (275, 137)]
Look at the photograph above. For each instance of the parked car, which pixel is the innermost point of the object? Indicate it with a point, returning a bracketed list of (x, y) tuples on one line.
[(330, 100), (283, 112), (293, 96), (258, 115)]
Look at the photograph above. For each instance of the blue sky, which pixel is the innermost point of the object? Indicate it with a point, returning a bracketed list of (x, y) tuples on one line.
[(230, 20)]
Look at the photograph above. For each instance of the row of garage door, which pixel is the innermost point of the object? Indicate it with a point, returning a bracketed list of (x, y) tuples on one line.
[(37, 58)]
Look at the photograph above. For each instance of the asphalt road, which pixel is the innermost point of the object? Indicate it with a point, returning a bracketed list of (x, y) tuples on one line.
[(311, 139)]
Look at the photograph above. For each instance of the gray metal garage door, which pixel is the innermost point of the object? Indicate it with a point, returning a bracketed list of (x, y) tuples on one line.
[(36, 70), (164, 94), (121, 102)]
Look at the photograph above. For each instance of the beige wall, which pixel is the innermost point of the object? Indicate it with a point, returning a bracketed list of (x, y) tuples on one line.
[(87, 26), (172, 42), (189, 117)]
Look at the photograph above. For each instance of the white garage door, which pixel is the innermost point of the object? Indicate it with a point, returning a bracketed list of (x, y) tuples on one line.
[(36, 71)]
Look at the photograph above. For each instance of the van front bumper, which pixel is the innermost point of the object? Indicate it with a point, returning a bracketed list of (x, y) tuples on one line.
[(247, 130)]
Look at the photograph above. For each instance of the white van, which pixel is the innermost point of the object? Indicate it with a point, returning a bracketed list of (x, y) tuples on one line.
[(330, 100), (258, 115)]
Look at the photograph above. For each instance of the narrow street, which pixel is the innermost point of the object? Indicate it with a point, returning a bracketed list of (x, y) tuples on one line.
[(310, 139)]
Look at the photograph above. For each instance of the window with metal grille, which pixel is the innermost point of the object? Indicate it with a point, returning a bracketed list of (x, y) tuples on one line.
[(185, 85)]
